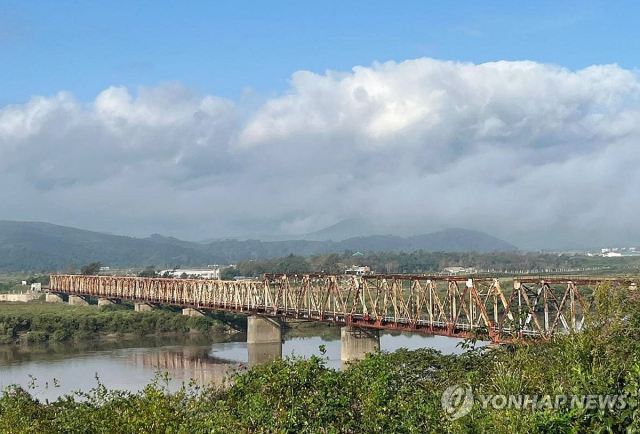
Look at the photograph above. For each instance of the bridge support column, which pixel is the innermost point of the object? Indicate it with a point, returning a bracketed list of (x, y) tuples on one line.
[(357, 342), (78, 300), (50, 297), (189, 311), (105, 302), (142, 307), (264, 340)]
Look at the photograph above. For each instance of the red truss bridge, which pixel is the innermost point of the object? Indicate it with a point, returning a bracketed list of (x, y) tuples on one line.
[(498, 309)]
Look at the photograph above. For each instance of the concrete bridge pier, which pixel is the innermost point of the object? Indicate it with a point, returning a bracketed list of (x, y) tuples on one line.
[(51, 297), (189, 311), (105, 302), (142, 307), (357, 342), (78, 300), (264, 340)]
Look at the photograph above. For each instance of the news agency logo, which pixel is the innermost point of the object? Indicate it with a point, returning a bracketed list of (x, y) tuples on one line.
[(458, 400)]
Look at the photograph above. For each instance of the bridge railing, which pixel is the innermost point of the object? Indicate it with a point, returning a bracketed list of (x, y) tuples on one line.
[(451, 306)]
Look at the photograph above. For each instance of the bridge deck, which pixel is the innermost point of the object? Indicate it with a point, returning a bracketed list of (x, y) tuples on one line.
[(450, 306)]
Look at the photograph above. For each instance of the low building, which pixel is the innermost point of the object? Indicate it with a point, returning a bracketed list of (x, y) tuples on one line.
[(452, 271), (193, 273), (612, 255), (238, 278), (358, 271)]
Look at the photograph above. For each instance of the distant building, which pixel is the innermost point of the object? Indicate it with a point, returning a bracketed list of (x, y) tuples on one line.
[(616, 252), (612, 254), (358, 271), (244, 278), (452, 271), (193, 273)]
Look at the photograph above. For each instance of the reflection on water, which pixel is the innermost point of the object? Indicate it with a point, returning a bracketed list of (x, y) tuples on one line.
[(184, 364), (263, 353), (11, 354), (132, 364)]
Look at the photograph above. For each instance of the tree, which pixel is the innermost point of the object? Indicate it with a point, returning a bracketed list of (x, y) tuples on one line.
[(229, 273), (150, 271), (70, 269), (91, 269), (292, 264), (331, 264)]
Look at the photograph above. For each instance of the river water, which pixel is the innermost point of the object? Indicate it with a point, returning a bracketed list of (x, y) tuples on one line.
[(55, 370)]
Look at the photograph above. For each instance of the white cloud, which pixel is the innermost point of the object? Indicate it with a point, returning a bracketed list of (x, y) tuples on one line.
[(535, 153)]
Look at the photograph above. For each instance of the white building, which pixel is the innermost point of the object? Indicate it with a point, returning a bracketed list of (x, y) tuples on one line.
[(612, 254), (194, 273), (459, 270), (358, 271)]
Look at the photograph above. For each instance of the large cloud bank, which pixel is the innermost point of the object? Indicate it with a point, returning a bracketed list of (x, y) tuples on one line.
[(534, 153)]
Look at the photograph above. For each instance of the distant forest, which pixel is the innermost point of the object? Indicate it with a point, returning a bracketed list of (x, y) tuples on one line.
[(28, 246), (31, 246), (434, 262)]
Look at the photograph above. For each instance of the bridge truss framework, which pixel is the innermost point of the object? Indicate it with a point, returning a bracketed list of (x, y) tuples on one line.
[(435, 305)]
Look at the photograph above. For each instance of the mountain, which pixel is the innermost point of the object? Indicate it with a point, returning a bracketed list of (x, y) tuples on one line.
[(44, 246), (459, 240), (349, 228)]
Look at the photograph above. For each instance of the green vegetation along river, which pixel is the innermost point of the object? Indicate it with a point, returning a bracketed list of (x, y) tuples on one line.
[(587, 382), (56, 369)]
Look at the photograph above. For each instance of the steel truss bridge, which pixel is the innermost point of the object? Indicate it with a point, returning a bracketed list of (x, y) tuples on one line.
[(434, 305)]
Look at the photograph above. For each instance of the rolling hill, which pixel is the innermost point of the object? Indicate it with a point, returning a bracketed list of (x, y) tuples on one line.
[(44, 246)]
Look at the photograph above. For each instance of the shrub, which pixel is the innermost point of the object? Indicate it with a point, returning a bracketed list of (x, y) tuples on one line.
[(61, 335), (36, 337)]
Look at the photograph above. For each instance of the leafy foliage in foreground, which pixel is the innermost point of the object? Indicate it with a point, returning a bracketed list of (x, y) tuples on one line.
[(398, 392)]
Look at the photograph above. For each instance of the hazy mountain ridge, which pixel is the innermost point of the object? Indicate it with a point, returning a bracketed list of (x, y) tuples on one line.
[(44, 246), (343, 230)]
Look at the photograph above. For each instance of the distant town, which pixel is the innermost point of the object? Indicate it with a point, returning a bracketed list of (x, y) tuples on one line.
[(357, 268)]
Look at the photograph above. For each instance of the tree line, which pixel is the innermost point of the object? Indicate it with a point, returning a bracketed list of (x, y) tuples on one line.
[(431, 262)]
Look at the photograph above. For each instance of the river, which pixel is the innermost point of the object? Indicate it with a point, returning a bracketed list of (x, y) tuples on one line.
[(56, 370)]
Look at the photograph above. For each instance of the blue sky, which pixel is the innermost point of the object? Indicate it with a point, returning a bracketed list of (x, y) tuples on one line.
[(510, 117), (223, 47)]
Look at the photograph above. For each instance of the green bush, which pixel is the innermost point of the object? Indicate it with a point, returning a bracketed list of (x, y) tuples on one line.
[(398, 392), (36, 337), (61, 335)]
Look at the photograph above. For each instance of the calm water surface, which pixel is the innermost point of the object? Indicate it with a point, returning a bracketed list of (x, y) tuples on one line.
[(132, 364)]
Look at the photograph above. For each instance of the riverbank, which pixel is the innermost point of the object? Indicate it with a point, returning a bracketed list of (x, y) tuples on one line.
[(399, 392), (580, 382), (38, 322), (396, 392)]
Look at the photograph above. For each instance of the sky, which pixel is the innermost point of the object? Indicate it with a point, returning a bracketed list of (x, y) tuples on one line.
[(204, 119)]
